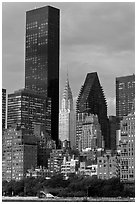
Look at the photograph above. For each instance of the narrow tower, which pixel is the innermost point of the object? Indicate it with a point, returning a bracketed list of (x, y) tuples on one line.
[(66, 116)]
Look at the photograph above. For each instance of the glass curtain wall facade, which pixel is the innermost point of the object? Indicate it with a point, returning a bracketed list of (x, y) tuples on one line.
[(27, 109), (125, 94), (42, 57)]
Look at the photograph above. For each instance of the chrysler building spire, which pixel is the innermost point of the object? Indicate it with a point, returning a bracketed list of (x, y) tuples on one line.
[(67, 98), (66, 116)]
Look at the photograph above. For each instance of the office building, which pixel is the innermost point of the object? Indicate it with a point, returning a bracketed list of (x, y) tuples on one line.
[(125, 94), (91, 137), (42, 57), (3, 108), (91, 99), (18, 155), (67, 117), (127, 148), (27, 109)]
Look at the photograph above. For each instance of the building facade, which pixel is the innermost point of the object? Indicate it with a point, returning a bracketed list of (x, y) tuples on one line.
[(127, 148), (45, 144), (28, 108), (113, 128), (38, 172), (91, 137), (42, 57), (125, 94), (18, 156), (67, 116), (91, 99), (55, 161), (108, 166), (3, 108), (87, 170), (69, 166)]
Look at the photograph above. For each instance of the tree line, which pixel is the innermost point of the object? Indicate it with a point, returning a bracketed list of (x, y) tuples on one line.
[(75, 186)]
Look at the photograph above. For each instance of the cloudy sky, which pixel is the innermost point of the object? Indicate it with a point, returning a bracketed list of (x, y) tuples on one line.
[(94, 37)]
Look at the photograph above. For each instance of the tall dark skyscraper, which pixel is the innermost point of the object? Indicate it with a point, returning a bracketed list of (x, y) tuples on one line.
[(3, 108), (91, 99), (125, 95), (42, 57)]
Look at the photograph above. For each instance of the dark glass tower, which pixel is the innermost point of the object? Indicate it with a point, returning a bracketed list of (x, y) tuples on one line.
[(91, 99), (42, 57), (125, 95)]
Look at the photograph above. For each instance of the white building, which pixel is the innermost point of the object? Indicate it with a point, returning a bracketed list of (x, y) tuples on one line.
[(67, 117), (69, 166)]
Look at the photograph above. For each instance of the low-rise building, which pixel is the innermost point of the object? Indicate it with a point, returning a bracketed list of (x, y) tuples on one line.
[(87, 170), (55, 161), (69, 165), (107, 166), (38, 172)]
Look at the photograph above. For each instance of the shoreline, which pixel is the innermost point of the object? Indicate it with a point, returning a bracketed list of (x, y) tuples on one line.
[(67, 199)]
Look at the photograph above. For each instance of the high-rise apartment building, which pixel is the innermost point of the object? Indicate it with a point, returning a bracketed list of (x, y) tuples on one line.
[(42, 57), (18, 156), (3, 108), (91, 99), (27, 109), (125, 94), (127, 148), (67, 116)]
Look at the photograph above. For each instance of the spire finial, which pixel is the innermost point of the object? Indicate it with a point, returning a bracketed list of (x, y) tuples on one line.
[(67, 75)]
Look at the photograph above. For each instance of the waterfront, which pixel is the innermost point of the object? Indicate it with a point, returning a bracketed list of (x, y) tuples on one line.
[(68, 199)]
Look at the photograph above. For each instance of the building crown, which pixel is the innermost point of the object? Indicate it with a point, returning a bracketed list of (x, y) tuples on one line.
[(67, 98)]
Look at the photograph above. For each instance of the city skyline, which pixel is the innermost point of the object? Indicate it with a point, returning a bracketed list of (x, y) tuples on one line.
[(107, 46)]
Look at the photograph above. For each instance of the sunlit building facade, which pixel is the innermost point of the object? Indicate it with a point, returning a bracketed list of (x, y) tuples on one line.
[(67, 116), (18, 155), (127, 148)]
